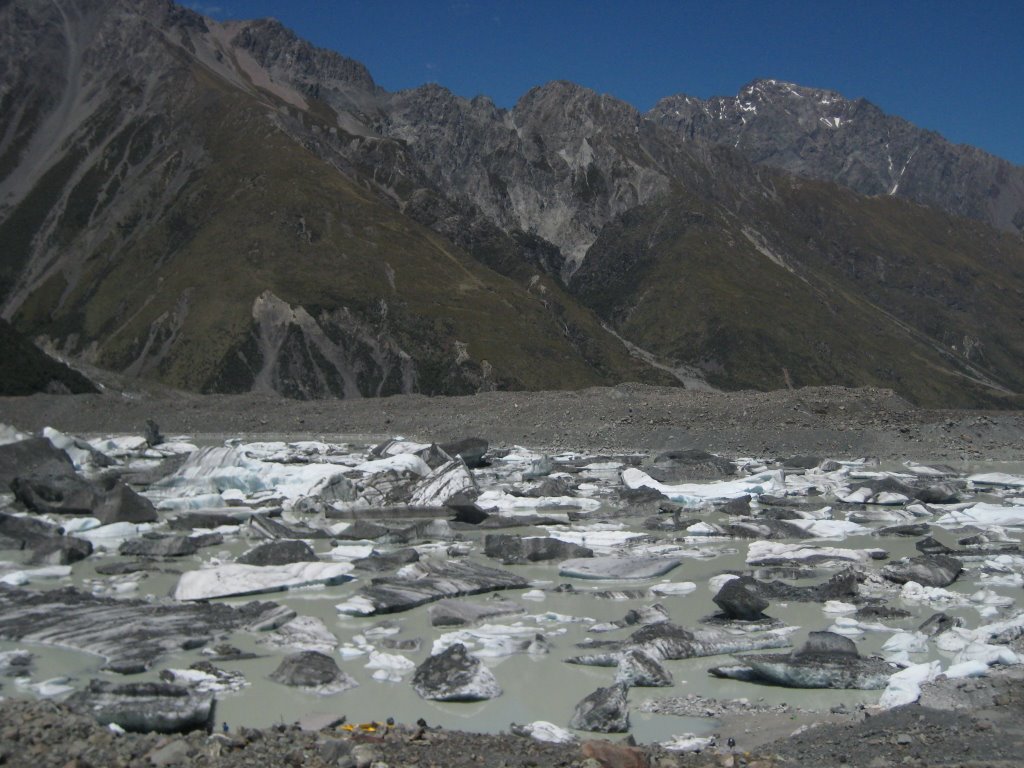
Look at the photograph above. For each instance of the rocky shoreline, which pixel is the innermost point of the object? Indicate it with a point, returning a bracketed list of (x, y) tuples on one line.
[(823, 420)]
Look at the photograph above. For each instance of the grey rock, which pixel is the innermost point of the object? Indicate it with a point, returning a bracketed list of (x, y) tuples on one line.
[(311, 669), (159, 546), (455, 675), (927, 570), (60, 550), (603, 711), (938, 493), (34, 456), (737, 601), (821, 134), (279, 553)]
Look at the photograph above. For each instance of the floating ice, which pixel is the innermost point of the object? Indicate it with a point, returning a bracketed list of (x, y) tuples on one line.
[(905, 686), (983, 514), (674, 588), (239, 579), (694, 494), (997, 478), (772, 552)]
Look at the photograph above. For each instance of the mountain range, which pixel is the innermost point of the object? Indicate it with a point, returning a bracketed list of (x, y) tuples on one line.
[(223, 207)]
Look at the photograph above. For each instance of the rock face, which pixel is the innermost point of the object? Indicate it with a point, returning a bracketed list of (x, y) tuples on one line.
[(550, 198), (312, 669), (821, 134), (603, 711), (455, 675), (928, 570), (146, 707)]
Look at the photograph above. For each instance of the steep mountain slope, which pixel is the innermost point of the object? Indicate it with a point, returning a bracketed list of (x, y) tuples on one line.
[(167, 219), (224, 207), (820, 134), (807, 283), (29, 370)]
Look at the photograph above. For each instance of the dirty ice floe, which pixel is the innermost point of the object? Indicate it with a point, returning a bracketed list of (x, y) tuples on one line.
[(771, 552), (21, 577), (508, 504), (494, 640), (694, 494), (983, 514), (997, 478), (239, 579)]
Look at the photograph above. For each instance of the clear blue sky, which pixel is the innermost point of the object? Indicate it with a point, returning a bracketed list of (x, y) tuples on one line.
[(954, 66)]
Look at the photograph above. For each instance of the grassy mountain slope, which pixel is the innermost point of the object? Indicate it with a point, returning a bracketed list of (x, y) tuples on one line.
[(812, 284)]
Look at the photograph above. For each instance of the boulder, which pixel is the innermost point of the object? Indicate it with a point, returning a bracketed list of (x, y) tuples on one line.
[(281, 552), (312, 669), (938, 493), (938, 623), (57, 493), (189, 521), (470, 449), (362, 530), (638, 669), (738, 601), (603, 711), (455, 675), (121, 504), (145, 707), (926, 570), (739, 506), (465, 509), (34, 456), (60, 550), (21, 532)]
